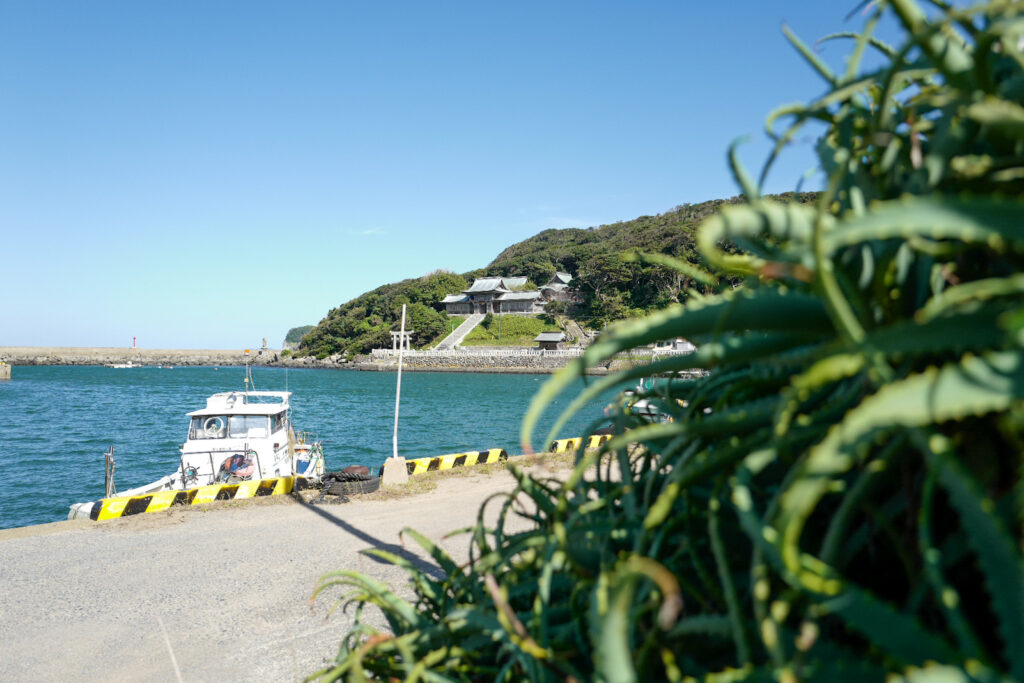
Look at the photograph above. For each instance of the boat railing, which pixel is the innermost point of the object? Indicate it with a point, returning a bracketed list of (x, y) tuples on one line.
[(305, 437), (222, 454)]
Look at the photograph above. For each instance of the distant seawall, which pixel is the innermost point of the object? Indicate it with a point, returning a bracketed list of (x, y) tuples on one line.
[(475, 362), (470, 362), (86, 355)]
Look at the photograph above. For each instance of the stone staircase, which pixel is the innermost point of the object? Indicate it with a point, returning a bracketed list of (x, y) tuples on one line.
[(574, 329), (460, 332)]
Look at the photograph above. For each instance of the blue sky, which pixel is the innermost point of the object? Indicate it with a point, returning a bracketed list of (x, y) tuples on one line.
[(206, 174)]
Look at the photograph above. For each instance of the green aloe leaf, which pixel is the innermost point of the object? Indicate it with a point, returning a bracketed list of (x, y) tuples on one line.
[(993, 222), (684, 267), (1005, 116), (792, 223), (898, 634), (736, 311), (975, 386), (442, 558), (999, 558), (727, 350)]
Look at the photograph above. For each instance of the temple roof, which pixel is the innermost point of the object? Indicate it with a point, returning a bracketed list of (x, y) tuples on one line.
[(513, 282), (550, 337), (519, 296), (486, 284), (455, 299)]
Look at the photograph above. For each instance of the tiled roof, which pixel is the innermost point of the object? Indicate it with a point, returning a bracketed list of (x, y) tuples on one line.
[(519, 296), (455, 299), (486, 284), (517, 281), (564, 278), (550, 337)]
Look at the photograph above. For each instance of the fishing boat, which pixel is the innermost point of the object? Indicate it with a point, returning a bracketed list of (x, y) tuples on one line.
[(122, 366), (239, 436), (646, 408)]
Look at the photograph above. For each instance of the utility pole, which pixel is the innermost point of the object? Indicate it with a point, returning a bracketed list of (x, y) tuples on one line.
[(394, 470), (398, 388)]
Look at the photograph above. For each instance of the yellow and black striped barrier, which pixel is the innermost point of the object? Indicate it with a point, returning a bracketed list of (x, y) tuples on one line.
[(111, 508), (566, 445), (447, 462)]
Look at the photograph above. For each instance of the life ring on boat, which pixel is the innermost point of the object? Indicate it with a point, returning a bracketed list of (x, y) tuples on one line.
[(213, 425)]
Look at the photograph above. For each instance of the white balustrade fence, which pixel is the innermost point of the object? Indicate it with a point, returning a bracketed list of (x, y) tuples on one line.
[(526, 353)]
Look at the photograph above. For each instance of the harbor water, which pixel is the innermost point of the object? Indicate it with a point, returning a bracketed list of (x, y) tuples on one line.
[(59, 421)]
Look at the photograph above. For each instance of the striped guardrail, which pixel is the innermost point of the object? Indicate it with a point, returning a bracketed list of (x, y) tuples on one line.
[(112, 508), (565, 445), (447, 462)]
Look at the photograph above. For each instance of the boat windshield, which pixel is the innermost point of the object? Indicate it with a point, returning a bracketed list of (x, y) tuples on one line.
[(229, 427)]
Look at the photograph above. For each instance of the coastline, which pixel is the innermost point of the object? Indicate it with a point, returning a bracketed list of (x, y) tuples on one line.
[(98, 356)]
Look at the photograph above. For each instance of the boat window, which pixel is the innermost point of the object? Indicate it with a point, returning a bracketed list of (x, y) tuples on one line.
[(277, 422), (247, 426), (208, 427)]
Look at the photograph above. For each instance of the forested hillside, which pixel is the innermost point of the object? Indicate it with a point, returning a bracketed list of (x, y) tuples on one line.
[(610, 286), (366, 322)]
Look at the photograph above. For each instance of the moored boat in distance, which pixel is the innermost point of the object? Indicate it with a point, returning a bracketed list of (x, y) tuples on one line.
[(239, 436), (129, 364)]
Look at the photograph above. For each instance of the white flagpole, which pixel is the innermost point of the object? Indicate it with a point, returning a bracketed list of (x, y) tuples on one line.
[(398, 390)]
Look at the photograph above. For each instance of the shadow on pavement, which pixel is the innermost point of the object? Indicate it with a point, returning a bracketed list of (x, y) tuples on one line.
[(423, 565)]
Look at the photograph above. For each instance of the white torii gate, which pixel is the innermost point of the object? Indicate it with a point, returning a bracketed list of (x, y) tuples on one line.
[(402, 340)]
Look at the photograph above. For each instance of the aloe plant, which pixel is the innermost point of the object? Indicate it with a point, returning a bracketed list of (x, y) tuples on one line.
[(839, 496)]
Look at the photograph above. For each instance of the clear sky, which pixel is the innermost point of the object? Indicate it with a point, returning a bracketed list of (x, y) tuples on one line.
[(206, 174)]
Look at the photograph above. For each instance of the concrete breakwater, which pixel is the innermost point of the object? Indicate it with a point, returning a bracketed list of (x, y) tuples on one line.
[(532, 363), (495, 362), (82, 355)]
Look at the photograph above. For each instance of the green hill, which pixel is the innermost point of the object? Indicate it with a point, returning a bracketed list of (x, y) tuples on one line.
[(610, 287), (295, 334), (366, 322)]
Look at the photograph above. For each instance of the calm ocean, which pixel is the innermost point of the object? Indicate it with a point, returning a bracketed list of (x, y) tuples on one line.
[(59, 421)]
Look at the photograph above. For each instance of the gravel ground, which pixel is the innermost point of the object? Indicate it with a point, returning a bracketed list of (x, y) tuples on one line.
[(221, 592)]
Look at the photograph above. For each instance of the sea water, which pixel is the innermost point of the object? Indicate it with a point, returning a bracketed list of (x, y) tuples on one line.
[(57, 422)]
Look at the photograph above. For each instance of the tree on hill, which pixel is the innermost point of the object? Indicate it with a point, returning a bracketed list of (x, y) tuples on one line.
[(295, 334), (367, 321)]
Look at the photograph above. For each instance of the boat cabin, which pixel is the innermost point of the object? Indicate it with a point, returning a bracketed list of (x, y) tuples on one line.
[(253, 425), (234, 416)]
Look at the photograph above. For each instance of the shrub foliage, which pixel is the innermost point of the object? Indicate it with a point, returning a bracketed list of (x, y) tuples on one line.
[(839, 497)]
